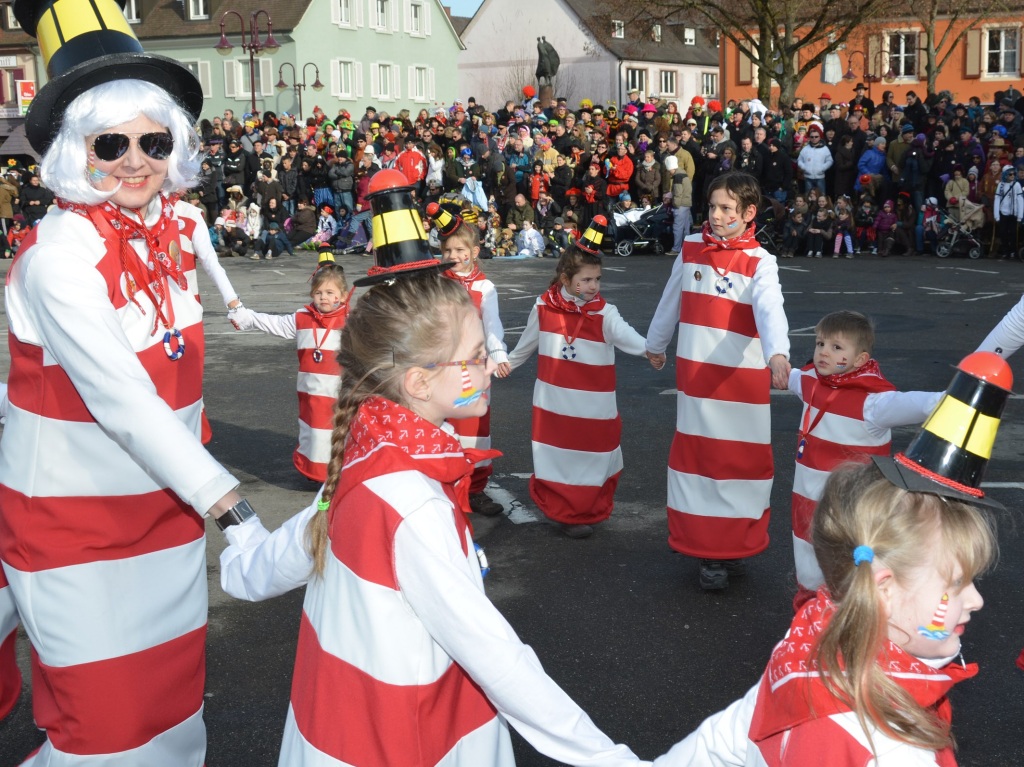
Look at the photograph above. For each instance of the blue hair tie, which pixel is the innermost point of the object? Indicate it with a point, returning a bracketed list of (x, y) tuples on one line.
[(863, 554)]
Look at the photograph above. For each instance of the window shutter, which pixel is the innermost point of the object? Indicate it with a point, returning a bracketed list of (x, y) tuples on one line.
[(407, 12), (230, 82), (374, 84), (745, 72), (396, 82), (412, 83), (394, 16), (430, 84), (335, 78), (336, 11), (425, 21), (874, 60), (357, 79), (267, 77), (357, 11), (204, 79), (972, 54), (922, 61)]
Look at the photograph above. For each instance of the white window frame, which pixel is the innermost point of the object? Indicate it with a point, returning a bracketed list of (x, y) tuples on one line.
[(689, 36), (618, 29), (389, 72), (1014, 72), (198, 9), (636, 78), (420, 74), (384, 16), (353, 19), (236, 72), (667, 78), (709, 83), (910, 52), (132, 11), (12, 21), (354, 75), (416, 12), (201, 69)]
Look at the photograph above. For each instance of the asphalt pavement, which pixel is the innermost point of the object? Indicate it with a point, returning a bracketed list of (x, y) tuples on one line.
[(617, 619)]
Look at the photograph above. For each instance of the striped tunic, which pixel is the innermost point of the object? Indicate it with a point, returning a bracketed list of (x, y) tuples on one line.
[(720, 467), (577, 458), (101, 477), (476, 432), (856, 421), (402, 659), (317, 383)]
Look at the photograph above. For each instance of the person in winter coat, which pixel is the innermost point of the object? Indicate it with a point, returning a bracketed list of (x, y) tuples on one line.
[(341, 175), (1008, 210), (873, 163), (303, 222), (618, 169), (777, 172), (682, 202), (814, 160), (35, 199), (886, 225), (845, 167), (647, 179), (288, 178)]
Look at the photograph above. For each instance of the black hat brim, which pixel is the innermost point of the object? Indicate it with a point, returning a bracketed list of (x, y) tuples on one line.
[(46, 113), (910, 480), (401, 274)]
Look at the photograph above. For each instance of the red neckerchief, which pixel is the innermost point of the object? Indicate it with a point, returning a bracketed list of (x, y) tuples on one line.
[(868, 377), (164, 252), (465, 279), (400, 440), (553, 297), (745, 241), (792, 693), (329, 321)]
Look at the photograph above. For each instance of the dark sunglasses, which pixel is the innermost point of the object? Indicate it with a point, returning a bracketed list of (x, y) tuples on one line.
[(112, 146)]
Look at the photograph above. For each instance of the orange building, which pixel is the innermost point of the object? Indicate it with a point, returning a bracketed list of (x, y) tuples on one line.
[(890, 55)]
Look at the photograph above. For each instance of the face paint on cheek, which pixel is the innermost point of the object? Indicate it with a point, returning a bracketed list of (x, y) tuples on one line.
[(470, 393), (841, 364), (733, 224), (936, 628)]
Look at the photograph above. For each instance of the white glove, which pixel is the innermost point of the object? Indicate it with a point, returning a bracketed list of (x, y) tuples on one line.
[(241, 318)]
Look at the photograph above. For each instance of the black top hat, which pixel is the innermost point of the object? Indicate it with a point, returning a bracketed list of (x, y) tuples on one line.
[(446, 221), (950, 453), (860, 87), (399, 243), (85, 43), (590, 241)]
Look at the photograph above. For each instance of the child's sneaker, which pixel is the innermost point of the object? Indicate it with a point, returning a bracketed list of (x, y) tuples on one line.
[(577, 531), (836, 254), (255, 256), (818, 254), (849, 255), (874, 251), (713, 575), (481, 503)]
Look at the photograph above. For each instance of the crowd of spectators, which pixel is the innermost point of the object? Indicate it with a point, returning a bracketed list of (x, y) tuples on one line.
[(836, 174)]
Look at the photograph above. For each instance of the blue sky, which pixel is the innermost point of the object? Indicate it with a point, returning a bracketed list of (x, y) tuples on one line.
[(462, 7)]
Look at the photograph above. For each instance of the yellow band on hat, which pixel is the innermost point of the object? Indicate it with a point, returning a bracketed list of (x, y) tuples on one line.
[(67, 19), (396, 226), (594, 236), (960, 424)]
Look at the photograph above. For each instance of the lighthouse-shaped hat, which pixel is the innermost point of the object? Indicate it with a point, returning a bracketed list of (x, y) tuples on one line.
[(399, 243), (590, 241), (85, 43), (445, 221), (950, 453)]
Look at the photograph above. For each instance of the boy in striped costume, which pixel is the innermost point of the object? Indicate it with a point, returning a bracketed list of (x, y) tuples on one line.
[(849, 409), (724, 295)]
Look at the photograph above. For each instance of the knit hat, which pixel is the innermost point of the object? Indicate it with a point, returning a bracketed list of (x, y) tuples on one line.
[(880, 141), (671, 162), (907, 128)]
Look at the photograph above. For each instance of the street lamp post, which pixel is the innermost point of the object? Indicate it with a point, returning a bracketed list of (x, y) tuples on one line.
[(299, 86), (869, 78), (251, 45)]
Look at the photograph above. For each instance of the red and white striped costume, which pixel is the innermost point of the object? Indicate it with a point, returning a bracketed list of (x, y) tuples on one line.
[(475, 433), (789, 718), (402, 659), (102, 481), (720, 466), (845, 417), (318, 382), (577, 458)]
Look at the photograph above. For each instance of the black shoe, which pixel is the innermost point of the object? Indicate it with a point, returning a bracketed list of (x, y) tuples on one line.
[(713, 575), (735, 567), (577, 531), (483, 504)]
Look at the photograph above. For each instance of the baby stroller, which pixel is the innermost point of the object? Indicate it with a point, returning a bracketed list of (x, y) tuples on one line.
[(641, 228), (958, 237), (770, 216)]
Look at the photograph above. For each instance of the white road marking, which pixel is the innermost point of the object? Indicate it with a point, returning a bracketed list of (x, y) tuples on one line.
[(941, 291), (794, 268), (613, 269), (984, 297), (669, 391), (998, 485), (520, 298), (966, 269), (808, 331), (514, 510)]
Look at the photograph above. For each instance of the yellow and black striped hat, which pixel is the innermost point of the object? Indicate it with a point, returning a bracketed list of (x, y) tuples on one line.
[(445, 221), (399, 243), (950, 453), (590, 241), (85, 43)]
